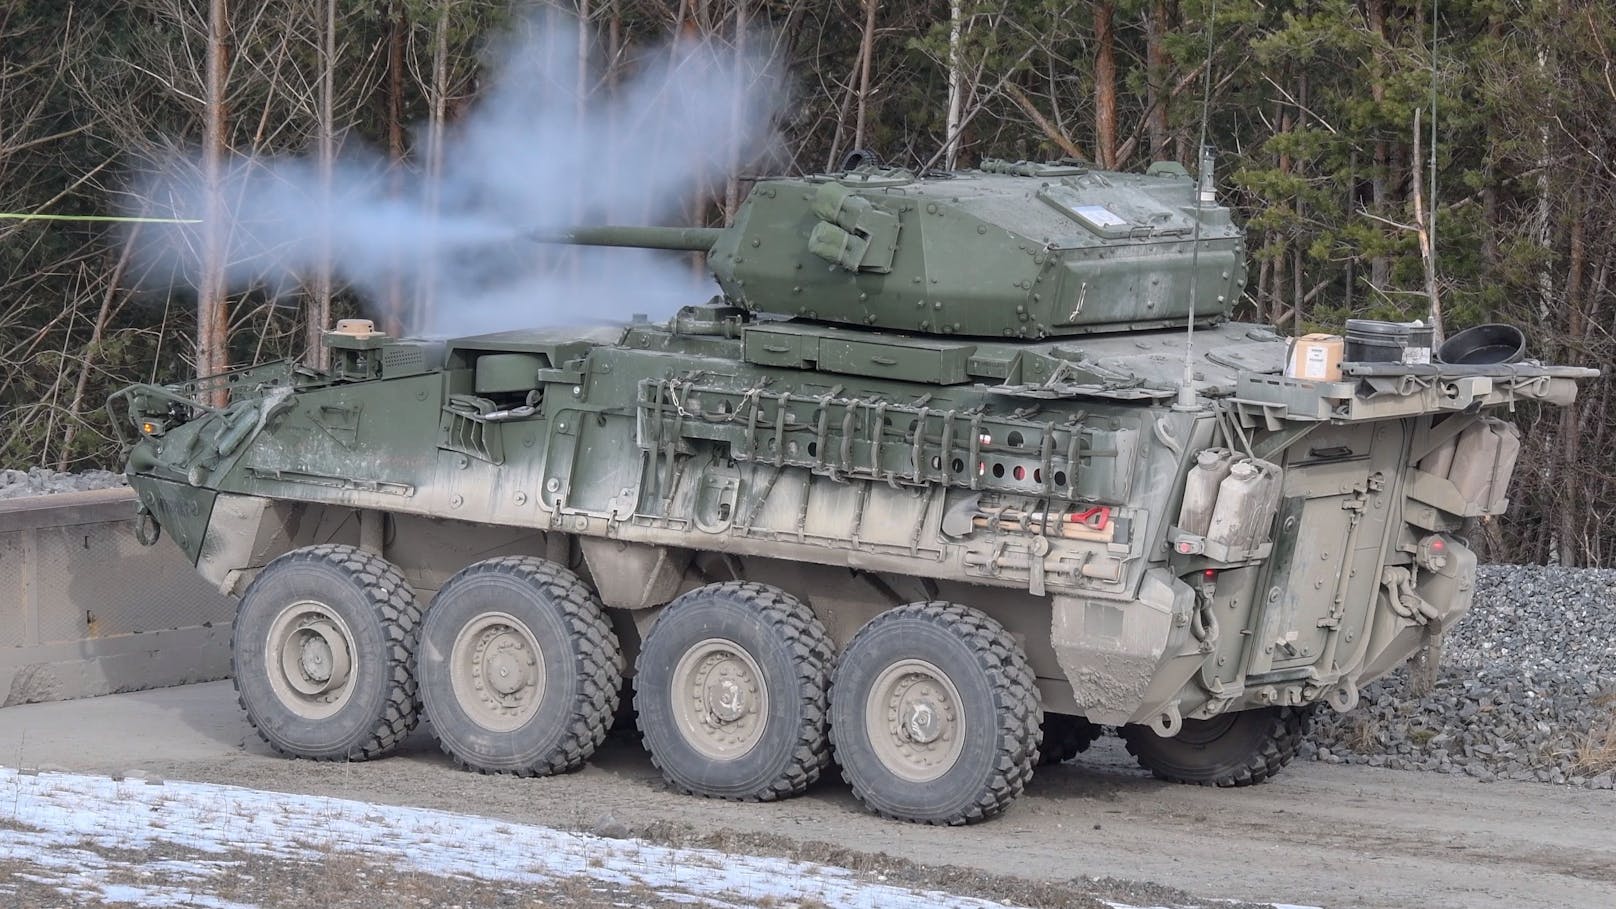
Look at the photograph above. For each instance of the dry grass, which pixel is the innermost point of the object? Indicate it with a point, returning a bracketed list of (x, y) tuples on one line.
[(1597, 751), (1362, 736)]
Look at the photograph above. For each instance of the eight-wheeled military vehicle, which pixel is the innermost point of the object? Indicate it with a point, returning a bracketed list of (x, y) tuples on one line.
[(957, 470)]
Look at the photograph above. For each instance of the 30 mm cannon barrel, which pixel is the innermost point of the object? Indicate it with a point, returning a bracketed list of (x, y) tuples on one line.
[(690, 239)]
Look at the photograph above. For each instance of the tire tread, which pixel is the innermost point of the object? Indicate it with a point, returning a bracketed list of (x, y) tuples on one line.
[(395, 604), (597, 655), (1020, 714), (813, 654)]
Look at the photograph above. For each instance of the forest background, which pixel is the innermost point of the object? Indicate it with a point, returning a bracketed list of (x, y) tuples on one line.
[(1321, 113)]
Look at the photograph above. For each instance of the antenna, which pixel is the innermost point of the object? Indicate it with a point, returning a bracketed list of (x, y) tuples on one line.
[(1205, 192)]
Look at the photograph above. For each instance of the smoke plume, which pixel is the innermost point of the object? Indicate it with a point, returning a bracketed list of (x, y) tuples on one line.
[(530, 155)]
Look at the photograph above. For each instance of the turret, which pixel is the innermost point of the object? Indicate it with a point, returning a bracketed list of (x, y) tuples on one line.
[(1011, 250)]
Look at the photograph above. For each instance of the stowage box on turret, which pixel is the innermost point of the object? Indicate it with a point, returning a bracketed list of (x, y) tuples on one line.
[(956, 471)]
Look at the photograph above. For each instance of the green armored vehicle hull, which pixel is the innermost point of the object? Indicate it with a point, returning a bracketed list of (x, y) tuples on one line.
[(957, 471)]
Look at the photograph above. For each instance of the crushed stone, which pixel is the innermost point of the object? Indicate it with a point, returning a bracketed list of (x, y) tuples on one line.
[(1526, 690)]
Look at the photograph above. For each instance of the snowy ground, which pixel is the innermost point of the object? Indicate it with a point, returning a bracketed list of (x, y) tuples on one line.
[(86, 839), (108, 840)]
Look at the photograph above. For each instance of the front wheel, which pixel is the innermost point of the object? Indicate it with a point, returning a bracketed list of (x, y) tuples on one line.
[(322, 654), (1234, 749), (935, 715)]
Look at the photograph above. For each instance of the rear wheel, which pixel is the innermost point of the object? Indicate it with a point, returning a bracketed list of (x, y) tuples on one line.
[(519, 668), (934, 715), (1234, 749), (730, 689), (322, 654), (1066, 737)]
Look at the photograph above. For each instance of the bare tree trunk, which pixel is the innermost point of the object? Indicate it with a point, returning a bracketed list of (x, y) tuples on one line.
[(956, 86), (1298, 272), (1379, 266), (1105, 85), (75, 407), (1265, 274), (1348, 213), (398, 31), (1276, 302), (436, 127), (1283, 285), (1572, 546), (614, 50), (213, 309), (1157, 62), (732, 181), (319, 307), (584, 25), (866, 51), (1544, 225), (1489, 191), (1051, 130), (614, 42), (1424, 222), (569, 258)]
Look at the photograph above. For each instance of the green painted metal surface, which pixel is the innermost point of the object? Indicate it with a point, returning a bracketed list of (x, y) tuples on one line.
[(1012, 251)]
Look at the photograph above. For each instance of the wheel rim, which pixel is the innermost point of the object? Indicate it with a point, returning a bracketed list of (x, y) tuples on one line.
[(309, 656), (914, 720), (720, 699), (497, 671)]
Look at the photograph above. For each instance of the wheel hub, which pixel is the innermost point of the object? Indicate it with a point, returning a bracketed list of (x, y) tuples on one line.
[(508, 672), (316, 660), (914, 720), (922, 725), (309, 655), (719, 698), (497, 671), (727, 701)]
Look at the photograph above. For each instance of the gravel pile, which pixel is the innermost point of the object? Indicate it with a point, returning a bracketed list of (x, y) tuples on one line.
[(39, 481), (1527, 689)]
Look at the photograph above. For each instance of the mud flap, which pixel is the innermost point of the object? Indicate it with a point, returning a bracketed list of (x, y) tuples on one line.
[(1113, 651)]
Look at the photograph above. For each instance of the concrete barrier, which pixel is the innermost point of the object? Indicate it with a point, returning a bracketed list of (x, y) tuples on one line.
[(86, 610)]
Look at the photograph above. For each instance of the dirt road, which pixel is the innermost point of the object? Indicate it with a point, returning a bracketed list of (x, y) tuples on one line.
[(1332, 836)]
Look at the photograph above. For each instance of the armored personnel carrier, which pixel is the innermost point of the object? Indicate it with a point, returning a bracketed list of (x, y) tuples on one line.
[(957, 470)]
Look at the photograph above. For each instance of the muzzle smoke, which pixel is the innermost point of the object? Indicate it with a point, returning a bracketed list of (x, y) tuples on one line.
[(537, 151)]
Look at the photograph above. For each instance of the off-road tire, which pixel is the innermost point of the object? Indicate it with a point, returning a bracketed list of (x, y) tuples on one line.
[(582, 667), (379, 608), (1066, 737), (793, 652), (1236, 749), (999, 704)]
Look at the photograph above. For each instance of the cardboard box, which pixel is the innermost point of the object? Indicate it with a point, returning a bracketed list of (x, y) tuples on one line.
[(1316, 357)]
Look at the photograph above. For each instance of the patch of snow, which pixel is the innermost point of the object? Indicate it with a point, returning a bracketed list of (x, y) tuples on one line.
[(67, 818), (62, 823)]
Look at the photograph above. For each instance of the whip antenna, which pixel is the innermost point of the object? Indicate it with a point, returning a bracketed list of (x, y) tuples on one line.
[(1205, 192)]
